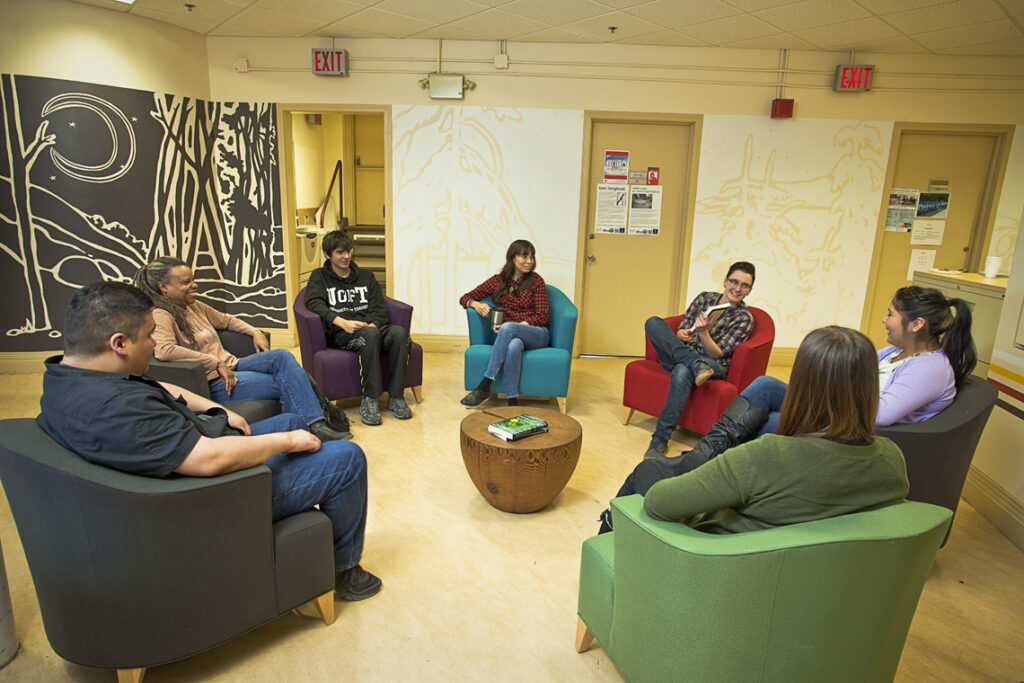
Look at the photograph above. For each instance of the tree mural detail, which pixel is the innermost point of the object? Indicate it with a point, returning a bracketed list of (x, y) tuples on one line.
[(129, 176)]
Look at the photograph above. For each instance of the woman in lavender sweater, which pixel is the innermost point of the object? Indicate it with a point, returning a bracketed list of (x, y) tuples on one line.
[(930, 355)]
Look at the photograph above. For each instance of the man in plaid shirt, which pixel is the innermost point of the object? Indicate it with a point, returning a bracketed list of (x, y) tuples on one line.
[(702, 346)]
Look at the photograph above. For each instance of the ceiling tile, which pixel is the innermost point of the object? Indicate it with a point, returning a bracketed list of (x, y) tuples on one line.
[(556, 13), (275, 23), (435, 11), (949, 15), (185, 21), (377, 23), (324, 11), (665, 38), (626, 26), (213, 10), (340, 30), (883, 7), (1000, 48), (673, 14), (754, 5), (498, 25), (106, 4), (811, 13), (1014, 7), (447, 32), (973, 34), (622, 4), (557, 35), (739, 27), (895, 45), (845, 36), (779, 41)]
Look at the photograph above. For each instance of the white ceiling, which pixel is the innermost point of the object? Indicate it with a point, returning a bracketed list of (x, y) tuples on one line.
[(953, 27)]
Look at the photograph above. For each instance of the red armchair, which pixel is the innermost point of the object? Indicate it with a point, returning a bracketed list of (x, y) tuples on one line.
[(645, 386), (337, 371)]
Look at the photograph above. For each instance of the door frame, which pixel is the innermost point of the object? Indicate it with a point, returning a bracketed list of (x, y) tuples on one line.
[(985, 220), (286, 164), (680, 259)]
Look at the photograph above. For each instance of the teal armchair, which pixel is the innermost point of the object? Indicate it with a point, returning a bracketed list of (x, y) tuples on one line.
[(545, 371), (829, 600)]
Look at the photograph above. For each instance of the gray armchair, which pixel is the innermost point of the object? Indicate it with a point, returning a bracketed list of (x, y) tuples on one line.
[(939, 451), (132, 572), (189, 374)]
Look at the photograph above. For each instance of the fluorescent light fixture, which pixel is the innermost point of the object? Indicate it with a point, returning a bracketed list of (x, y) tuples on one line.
[(126, 2)]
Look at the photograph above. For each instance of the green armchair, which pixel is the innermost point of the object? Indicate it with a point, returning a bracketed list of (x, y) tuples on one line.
[(829, 600)]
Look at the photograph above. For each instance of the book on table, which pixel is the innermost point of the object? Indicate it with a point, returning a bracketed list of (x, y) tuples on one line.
[(518, 427)]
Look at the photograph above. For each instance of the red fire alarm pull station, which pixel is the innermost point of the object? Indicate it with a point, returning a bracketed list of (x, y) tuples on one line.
[(782, 109), (330, 62), (853, 77)]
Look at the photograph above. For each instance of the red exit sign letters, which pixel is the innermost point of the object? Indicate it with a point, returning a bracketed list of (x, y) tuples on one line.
[(330, 62), (853, 77)]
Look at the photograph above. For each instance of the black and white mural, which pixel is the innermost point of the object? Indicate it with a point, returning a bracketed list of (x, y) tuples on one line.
[(96, 180)]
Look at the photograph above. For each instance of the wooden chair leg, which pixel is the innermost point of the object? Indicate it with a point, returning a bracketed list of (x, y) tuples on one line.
[(417, 392), (325, 606), (627, 413), (130, 675), (584, 638), (561, 404)]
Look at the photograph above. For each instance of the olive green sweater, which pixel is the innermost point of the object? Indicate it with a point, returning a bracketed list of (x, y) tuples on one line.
[(777, 480)]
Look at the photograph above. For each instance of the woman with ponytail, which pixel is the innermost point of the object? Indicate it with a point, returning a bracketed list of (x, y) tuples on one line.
[(186, 329)]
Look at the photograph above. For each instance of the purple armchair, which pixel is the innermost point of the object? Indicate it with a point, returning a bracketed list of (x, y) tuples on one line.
[(336, 371)]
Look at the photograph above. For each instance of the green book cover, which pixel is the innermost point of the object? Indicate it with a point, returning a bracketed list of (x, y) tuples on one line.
[(518, 427)]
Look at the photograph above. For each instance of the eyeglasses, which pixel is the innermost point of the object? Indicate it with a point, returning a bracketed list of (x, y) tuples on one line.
[(736, 283)]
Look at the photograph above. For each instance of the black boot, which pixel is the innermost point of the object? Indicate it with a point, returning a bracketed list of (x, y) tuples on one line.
[(478, 395), (738, 424)]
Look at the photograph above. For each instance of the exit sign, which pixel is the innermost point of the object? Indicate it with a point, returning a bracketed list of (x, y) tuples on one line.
[(853, 77), (330, 62)]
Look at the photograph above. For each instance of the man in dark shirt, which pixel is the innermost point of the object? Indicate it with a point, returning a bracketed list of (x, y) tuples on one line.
[(98, 403), (351, 305)]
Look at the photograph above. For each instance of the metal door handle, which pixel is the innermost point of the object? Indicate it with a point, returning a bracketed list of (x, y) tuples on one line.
[(590, 257)]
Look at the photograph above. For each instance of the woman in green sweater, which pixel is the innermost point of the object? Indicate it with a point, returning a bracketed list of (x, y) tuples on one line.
[(824, 461)]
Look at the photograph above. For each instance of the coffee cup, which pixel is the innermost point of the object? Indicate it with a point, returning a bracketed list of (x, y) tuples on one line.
[(497, 316), (992, 264)]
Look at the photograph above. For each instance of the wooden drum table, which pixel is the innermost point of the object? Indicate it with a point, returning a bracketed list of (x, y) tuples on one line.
[(523, 475)]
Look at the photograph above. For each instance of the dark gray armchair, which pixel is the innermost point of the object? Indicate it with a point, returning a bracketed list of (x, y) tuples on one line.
[(132, 572), (189, 374), (939, 451)]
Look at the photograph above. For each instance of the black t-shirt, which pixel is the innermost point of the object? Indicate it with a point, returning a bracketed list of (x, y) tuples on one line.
[(128, 422)]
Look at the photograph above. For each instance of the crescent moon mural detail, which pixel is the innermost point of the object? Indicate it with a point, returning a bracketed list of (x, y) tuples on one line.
[(122, 139)]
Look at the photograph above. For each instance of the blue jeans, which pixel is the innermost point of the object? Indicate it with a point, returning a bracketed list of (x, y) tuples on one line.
[(333, 478), (682, 362), (512, 340), (767, 394), (273, 374)]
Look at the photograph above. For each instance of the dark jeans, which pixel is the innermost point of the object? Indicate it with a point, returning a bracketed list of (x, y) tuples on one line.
[(766, 393), (333, 478), (682, 362), (368, 343)]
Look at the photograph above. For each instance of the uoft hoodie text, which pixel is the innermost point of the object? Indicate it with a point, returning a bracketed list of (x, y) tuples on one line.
[(356, 297)]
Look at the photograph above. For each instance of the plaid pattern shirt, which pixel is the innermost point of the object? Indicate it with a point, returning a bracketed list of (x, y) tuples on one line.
[(731, 328), (530, 305)]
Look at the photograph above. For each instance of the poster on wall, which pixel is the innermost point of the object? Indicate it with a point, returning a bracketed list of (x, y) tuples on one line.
[(933, 205), (902, 208), (616, 166), (644, 209), (610, 212), (927, 232), (920, 259), (99, 180)]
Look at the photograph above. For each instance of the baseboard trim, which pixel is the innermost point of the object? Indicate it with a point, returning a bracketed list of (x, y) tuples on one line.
[(1005, 512), (442, 343)]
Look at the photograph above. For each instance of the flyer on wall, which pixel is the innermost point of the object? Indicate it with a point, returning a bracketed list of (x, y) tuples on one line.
[(644, 209), (610, 212), (902, 209), (616, 166)]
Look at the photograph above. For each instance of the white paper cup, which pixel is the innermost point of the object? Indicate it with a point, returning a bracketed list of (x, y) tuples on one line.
[(992, 265)]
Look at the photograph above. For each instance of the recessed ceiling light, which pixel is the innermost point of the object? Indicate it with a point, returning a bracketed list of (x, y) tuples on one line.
[(126, 2)]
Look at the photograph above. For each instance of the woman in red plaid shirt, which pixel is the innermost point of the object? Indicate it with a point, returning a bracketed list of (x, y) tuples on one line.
[(520, 293)]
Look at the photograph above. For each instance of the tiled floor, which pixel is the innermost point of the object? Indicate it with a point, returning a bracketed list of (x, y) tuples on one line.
[(475, 594)]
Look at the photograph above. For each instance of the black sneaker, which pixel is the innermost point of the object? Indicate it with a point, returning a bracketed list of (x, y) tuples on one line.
[(400, 408), (356, 584), (369, 411), (324, 432), (475, 397)]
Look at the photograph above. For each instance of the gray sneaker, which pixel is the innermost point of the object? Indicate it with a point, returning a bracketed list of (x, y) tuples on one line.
[(400, 408), (369, 411)]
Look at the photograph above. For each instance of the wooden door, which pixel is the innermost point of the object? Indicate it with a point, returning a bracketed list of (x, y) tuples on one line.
[(369, 169), (967, 161), (628, 278)]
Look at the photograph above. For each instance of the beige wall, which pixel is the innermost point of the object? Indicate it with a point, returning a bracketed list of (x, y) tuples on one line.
[(60, 39)]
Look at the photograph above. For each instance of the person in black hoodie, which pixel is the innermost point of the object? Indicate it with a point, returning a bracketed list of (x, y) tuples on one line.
[(351, 304)]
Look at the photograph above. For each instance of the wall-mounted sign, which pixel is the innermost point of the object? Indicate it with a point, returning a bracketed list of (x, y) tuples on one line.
[(853, 77), (330, 62)]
